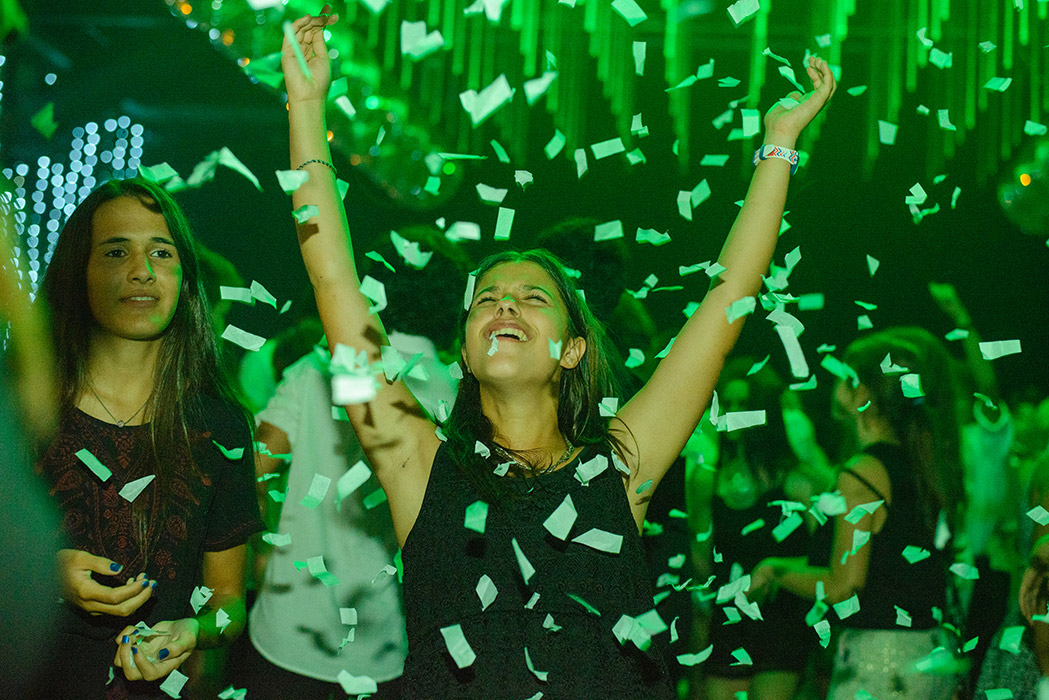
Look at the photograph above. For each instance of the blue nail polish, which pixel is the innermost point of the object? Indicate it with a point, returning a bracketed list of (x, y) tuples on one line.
[(163, 654), (154, 585), (134, 650), (114, 567), (145, 584), (125, 639)]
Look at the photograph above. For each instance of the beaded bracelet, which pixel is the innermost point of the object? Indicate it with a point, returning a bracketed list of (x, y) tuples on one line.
[(770, 151), (322, 162)]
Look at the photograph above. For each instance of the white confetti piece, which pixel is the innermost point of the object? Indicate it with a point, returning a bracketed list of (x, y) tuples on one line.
[(133, 489), (349, 482), (742, 9), (630, 11), (559, 523), (246, 340), (458, 647), (486, 591), (291, 180), (601, 540), (173, 684), (527, 570), (994, 349), (356, 685)]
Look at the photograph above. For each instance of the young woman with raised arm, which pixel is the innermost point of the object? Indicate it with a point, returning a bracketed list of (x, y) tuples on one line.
[(504, 602)]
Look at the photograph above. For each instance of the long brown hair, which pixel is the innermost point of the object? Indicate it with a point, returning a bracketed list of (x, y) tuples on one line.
[(581, 388), (189, 364), (926, 426)]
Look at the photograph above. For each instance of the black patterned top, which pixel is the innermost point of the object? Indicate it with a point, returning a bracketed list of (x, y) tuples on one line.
[(563, 615), (211, 507)]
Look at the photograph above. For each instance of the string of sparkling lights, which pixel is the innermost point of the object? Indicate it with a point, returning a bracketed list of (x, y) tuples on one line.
[(45, 193)]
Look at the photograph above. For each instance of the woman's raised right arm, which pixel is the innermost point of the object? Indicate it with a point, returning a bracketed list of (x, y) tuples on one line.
[(395, 432)]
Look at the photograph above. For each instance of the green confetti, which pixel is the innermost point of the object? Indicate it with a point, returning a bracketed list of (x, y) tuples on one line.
[(645, 486), (91, 461), (377, 257), (857, 91), (234, 454), (913, 554), (742, 658), (476, 516), (693, 659), (740, 308), (864, 509), (999, 694), (848, 607), (756, 367), (1039, 514), (756, 525), (999, 85), (589, 608), (965, 571), (911, 385), (500, 152), (970, 645), (1011, 638), (44, 121), (527, 570), (374, 498), (785, 528), (305, 213)]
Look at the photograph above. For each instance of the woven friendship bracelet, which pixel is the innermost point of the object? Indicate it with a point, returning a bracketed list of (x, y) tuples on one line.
[(770, 151), (322, 162)]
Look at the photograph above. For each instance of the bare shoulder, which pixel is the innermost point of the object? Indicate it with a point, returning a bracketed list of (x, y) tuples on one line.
[(868, 469)]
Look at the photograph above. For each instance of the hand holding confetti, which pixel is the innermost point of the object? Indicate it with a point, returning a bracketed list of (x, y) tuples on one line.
[(785, 121), (153, 655), (304, 57)]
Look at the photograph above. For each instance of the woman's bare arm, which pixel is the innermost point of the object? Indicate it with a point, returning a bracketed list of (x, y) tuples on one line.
[(396, 434), (662, 415)]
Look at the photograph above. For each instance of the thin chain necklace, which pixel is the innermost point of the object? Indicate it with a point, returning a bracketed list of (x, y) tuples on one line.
[(120, 423), (561, 460)]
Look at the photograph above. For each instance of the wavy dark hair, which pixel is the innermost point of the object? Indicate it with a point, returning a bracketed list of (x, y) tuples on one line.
[(189, 364), (927, 427), (581, 388)]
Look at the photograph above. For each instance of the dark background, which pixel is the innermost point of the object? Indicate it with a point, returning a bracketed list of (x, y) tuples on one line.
[(134, 57)]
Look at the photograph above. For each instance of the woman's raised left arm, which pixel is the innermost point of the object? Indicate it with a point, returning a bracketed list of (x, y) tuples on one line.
[(658, 420)]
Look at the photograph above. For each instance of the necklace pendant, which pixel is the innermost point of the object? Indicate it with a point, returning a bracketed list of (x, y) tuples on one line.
[(120, 424)]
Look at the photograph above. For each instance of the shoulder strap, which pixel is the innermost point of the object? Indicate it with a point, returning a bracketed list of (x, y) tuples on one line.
[(869, 485)]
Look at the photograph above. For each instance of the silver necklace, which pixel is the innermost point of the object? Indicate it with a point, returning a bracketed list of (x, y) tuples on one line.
[(120, 423), (561, 460)]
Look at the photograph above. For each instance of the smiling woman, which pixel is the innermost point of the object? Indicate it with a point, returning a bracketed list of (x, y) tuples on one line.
[(136, 466), (134, 274), (519, 518)]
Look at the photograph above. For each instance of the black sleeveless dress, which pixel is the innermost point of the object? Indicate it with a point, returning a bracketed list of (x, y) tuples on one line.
[(575, 654), (891, 579)]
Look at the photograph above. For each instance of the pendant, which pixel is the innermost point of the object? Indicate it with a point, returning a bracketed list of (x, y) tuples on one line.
[(120, 424)]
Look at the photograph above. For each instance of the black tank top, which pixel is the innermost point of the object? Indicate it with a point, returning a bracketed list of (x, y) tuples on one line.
[(444, 561), (891, 579)]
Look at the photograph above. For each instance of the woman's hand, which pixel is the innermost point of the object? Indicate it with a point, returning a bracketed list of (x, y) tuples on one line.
[(784, 123), (308, 33), (155, 656), (75, 567)]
